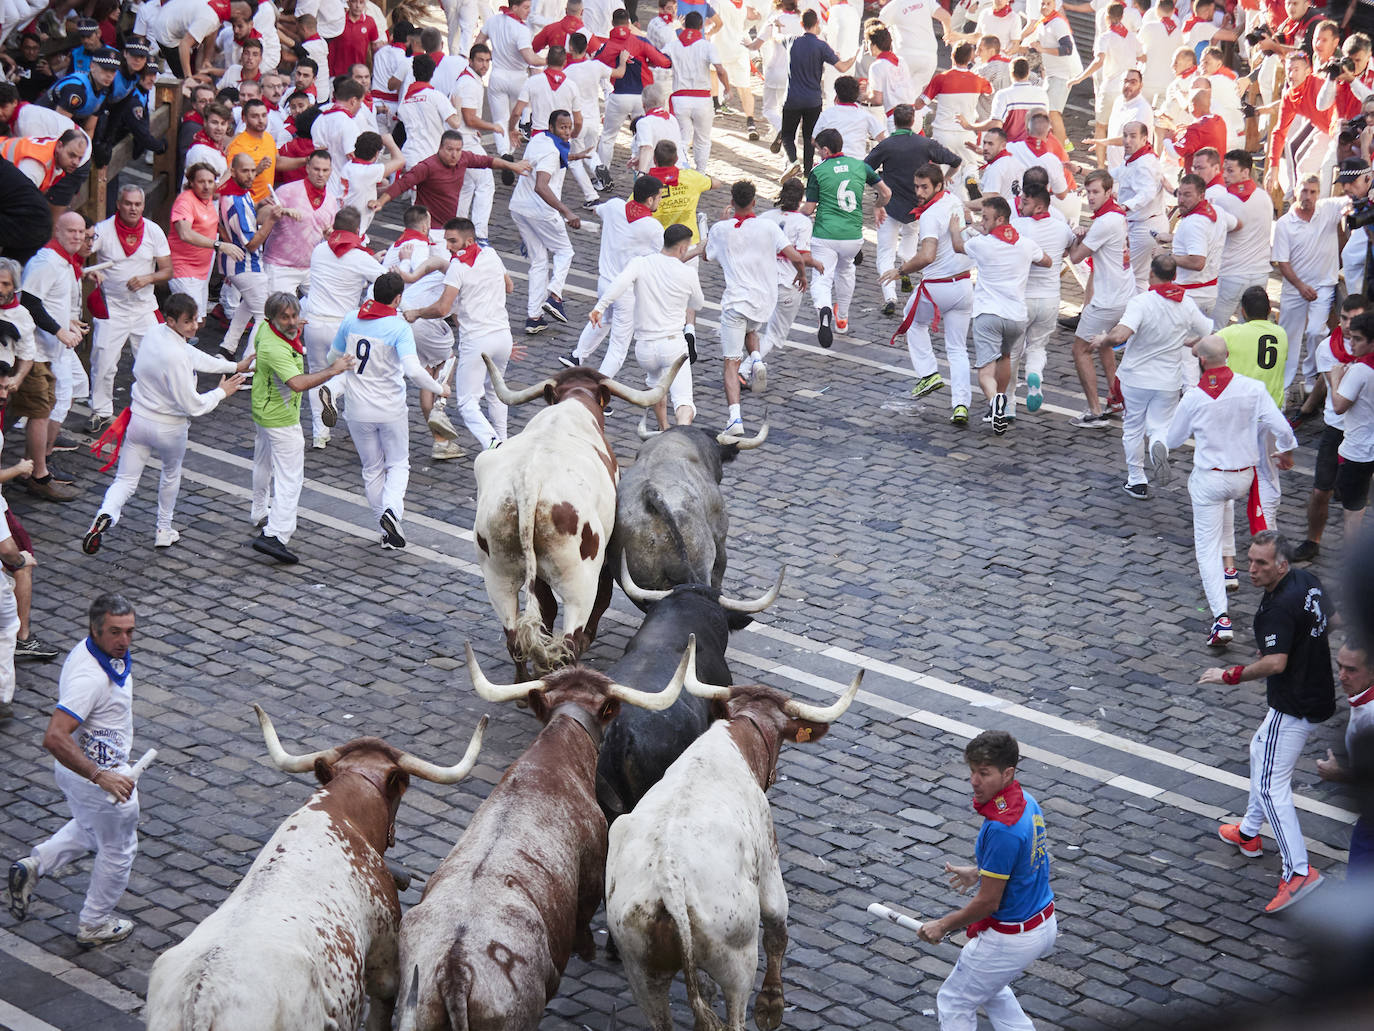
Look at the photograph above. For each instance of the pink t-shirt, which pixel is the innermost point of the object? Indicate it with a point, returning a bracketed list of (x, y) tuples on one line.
[(188, 260), (290, 242)]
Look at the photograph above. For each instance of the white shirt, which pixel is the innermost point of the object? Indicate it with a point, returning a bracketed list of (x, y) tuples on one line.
[(1056, 65), (359, 187), (658, 33), (1113, 281), (388, 62), (1054, 235), (481, 302), (913, 28), (385, 349), (179, 19), (544, 99), (1311, 247), (841, 29), (691, 64), (1048, 160), (796, 227), (622, 241), (856, 126), (121, 302), (1153, 359), (1361, 722), (202, 153), (664, 289), (1124, 112), (892, 82), (1326, 362), (1119, 54), (778, 32), (1358, 421), (1007, 28), (955, 92), (1003, 177), (410, 256), (1140, 188), (507, 36), (751, 288), (425, 114), (543, 156), (1159, 45), (1019, 96), (48, 276), (104, 710), (592, 79), (1003, 269), (338, 285), (445, 76), (337, 133), (19, 344), (933, 224), (468, 92), (165, 371), (1247, 249), (652, 128), (1226, 429)]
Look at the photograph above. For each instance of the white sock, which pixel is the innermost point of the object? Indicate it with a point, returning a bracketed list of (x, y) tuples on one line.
[(735, 414)]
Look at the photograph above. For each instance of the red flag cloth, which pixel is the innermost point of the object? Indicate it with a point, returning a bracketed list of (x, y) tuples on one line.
[(114, 434)]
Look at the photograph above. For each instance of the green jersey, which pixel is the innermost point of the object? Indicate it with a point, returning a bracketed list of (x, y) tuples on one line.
[(1259, 350), (836, 187), (274, 403)]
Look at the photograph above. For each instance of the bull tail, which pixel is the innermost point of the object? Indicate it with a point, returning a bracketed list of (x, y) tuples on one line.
[(654, 503), (410, 1007), (675, 903), (534, 642)]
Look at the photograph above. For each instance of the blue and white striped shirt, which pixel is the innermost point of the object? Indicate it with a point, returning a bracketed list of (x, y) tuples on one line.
[(238, 219)]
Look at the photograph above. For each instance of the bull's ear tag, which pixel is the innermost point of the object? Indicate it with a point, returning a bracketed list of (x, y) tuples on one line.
[(803, 735)]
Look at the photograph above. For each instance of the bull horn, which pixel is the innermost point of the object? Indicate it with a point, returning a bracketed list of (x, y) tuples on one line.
[(643, 428), (513, 397), (656, 701), (714, 692), (632, 590), (281, 758), (746, 443), (826, 714), (758, 604), (490, 692), (643, 398), (446, 774)]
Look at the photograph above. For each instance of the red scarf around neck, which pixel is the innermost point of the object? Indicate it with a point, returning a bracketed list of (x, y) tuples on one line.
[(556, 78), (688, 36), (1120, 30), (468, 256), (232, 189), (1343, 355), (313, 194), (667, 176), (1001, 12), (73, 260), (205, 139), (741, 219), (130, 237), (634, 211), (1036, 147), (658, 112), (1003, 153), (1363, 698), (1108, 208), (889, 57), (411, 234), (1169, 291), (1147, 149), (1170, 26), (295, 341), (416, 87), (1214, 381), (341, 242), (14, 302), (921, 209), (1216, 181), (375, 310), (1005, 807), (1206, 210), (1242, 189), (1006, 233)]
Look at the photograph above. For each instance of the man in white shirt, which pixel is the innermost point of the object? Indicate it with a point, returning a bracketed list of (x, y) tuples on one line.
[(1157, 328), (1245, 258), (1140, 190), (337, 127), (163, 401), (182, 26), (543, 221), (655, 125), (1013, 106), (694, 57), (841, 31), (479, 184), (1130, 105), (425, 112), (1001, 170), (1307, 255), (1161, 35), (1354, 403), (856, 125), (1053, 38), (912, 23), (512, 57), (138, 251), (545, 92), (956, 94), (1115, 52), (1040, 222), (1224, 414), (591, 79), (1199, 240)]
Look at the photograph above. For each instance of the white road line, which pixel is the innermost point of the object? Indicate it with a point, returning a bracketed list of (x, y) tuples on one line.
[(17, 1020), (69, 973)]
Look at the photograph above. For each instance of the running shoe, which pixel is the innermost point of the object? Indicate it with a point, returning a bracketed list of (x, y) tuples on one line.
[(275, 549), (1139, 491), (441, 425), (553, 307), (391, 530), (1296, 887), (23, 877), (329, 415), (90, 544), (569, 360), (791, 172), (1232, 578), (444, 450), (890, 308), (959, 417), (1230, 832), (1035, 397), (759, 375), (842, 325), (927, 385), (34, 649), (1159, 463), (906, 284), (115, 929), (752, 129), (825, 336), (776, 145), (1306, 551), (1091, 421), (999, 414), (1221, 634), (533, 326), (734, 428), (166, 538)]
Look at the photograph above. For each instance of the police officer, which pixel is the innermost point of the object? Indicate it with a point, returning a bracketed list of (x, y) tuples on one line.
[(81, 95), (91, 46)]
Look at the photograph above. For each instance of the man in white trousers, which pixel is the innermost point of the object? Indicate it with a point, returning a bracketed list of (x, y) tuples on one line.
[(1156, 328), (1140, 190), (592, 79), (1295, 663), (694, 57), (246, 225), (1245, 258), (279, 380), (162, 403), (475, 287), (543, 220), (90, 735), (461, 18), (479, 184), (1224, 415), (138, 249), (912, 23), (1307, 255), (796, 227), (1044, 224), (512, 56), (378, 416)]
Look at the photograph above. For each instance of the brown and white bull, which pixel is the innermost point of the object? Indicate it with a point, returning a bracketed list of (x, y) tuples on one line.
[(485, 947), (545, 512), (692, 869), (309, 934)]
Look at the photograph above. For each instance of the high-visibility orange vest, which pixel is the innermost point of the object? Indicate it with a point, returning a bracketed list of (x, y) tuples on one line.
[(15, 149)]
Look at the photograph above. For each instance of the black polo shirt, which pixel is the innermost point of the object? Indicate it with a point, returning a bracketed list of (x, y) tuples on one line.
[(1291, 620)]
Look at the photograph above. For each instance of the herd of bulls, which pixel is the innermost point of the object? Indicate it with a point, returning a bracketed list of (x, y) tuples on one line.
[(634, 791)]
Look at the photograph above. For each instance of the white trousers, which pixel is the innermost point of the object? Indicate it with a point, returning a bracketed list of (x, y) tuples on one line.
[(1305, 324), (1229, 292), (288, 278), (582, 170), (99, 826), (955, 301), (1147, 417), (920, 66), (655, 356), (278, 475), (475, 200), (896, 241), (1042, 315), (473, 385), (318, 337), (619, 321), (503, 90), (773, 99), (983, 975), (196, 289), (695, 116), (9, 631), (108, 337), (461, 17), (550, 254), (1275, 751), (1213, 534), (384, 450), (66, 370), (620, 107), (1143, 246), (834, 288), (253, 289), (780, 322), (144, 439)]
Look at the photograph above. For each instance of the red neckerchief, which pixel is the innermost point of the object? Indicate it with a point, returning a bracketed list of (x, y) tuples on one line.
[(1188, 25), (1056, 14), (667, 176), (1243, 189), (999, 57), (416, 87), (1001, 12), (1214, 381), (411, 234), (657, 112), (221, 9), (206, 140), (741, 219), (1170, 26), (1036, 147), (1363, 698), (194, 116), (468, 256), (341, 242), (688, 36), (920, 209), (14, 302), (555, 77), (511, 15), (1188, 74), (1217, 180), (667, 19), (1038, 216), (232, 188), (130, 237), (1225, 73), (889, 57), (634, 211), (367, 102), (314, 195), (375, 310), (1006, 233), (1169, 291), (1003, 153), (1343, 355), (1120, 30), (1005, 807), (256, 78), (1147, 149), (295, 341), (1108, 208), (73, 260), (314, 37), (436, 56), (1206, 210)]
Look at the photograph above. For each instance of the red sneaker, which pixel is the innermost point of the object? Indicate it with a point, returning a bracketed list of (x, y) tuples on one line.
[(1293, 889), (1251, 849)]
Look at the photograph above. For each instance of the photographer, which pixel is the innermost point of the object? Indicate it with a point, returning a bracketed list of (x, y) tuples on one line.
[(1354, 180), (1349, 79)]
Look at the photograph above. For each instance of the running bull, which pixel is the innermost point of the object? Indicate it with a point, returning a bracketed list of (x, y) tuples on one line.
[(545, 512), (693, 868), (311, 929), (670, 518), (485, 947), (641, 745)]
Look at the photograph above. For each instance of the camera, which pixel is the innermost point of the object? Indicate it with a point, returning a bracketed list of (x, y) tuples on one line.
[(1258, 33), (1336, 68), (1361, 214), (1351, 130)]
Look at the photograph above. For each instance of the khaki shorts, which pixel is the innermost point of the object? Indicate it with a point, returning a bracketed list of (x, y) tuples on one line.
[(36, 395)]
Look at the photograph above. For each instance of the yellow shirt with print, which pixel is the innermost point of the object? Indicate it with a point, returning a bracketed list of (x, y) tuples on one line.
[(1258, 349), (677, 204)]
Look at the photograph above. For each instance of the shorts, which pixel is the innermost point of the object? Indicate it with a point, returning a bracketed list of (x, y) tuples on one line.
[(36, 394), (994, 337), (734, 327), (1103, 99), (1058, 90), (21, 538), (1095, 320), (1352, 482), (1328, 460), (433, 341)]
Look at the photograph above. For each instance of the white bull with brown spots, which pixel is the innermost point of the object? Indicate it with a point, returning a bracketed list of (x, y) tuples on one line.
[(545, 512), (692, 869), (309, 934)]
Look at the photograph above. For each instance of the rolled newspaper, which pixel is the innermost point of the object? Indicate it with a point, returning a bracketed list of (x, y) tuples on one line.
[(136, 771), (878, 909)]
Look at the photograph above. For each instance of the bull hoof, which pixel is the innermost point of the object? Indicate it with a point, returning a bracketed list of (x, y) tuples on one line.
[(768, 1009)]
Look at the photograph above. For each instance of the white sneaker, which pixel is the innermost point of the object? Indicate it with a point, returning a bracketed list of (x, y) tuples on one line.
[(445, 449), (734, 428), (166, 538), (758, 374), (441, 426), (115, 929), (320, 443)]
